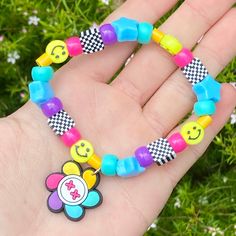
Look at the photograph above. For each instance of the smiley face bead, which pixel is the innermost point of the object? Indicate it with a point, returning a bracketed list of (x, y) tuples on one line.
[(57, 51), (192, 133), (82, 151)]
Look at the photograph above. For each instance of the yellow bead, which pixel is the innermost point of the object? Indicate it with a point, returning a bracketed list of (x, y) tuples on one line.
[(57, 51), (171, 44), (44, 60), (192, 132), (82, 151), (204, 121), (157, 35), (95, 161)]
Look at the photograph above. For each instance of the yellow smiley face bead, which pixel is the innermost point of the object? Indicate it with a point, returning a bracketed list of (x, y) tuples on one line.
[(57, 51), (192, 132), (82, 151)]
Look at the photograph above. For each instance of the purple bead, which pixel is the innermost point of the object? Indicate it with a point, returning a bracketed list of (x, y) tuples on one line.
[(108, 34), (144, 157), (51, 107)]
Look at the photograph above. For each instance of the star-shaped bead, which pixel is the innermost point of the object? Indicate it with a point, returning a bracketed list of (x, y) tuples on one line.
[(126, 29), (207, 89)]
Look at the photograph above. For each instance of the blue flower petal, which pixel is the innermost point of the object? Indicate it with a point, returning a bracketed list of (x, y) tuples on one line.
[(93, 199), (74, 213)]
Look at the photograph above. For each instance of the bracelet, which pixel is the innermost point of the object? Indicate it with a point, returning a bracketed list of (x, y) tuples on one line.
[(73, 189)]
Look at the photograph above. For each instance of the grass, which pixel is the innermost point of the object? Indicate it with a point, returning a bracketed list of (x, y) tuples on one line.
[(204, 203)]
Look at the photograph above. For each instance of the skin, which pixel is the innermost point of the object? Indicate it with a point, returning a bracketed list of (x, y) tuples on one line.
[(145, 102)]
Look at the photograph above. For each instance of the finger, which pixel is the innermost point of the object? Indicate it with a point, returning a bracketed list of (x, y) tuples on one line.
[(175, 98), (151, 65), (102, 66), (151, 190)]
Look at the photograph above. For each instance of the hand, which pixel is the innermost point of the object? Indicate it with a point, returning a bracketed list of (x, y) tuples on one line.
[(145, 102)]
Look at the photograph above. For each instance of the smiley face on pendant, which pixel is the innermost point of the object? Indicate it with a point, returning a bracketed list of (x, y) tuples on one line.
[(82, 151), (57, 51), (192, 133)]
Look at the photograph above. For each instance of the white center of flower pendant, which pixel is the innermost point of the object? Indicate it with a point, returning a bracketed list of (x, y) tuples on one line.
[(72, 190)]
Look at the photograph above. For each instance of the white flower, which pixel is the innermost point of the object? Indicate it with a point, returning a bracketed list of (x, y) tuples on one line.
[(233, 119), (25, 13), (225, 179), (203, 200), (24, 30), (153, 225), (35, 11), (177, 203), (1, 38), (12, 57), (214, 231), (33, 20), (105, 2)]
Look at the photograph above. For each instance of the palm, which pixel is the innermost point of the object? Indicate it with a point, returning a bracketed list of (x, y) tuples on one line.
[(115, 119)]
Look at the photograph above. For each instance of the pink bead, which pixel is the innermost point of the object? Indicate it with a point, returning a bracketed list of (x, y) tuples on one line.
[(74, 46), (70, 137), (177, 142), (183, 58)]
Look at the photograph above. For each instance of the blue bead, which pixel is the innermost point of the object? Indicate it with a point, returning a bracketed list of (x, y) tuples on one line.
[(40, 92), (42, 73), (207, 89), (109, 163), (203, 108), (126, 29), (145, 32), (128, 167)]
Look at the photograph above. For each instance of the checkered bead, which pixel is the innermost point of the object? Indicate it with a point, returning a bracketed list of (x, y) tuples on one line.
[(161, 151), (195, 71), (91, 41), (61, 122)]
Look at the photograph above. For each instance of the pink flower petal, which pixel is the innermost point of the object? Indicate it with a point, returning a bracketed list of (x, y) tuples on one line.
[(53, 180)]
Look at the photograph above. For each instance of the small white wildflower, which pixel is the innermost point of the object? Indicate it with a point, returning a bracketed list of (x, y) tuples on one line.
[(105, 2), (45, 31), (25, 13), (214, 231), (35, 12), (177, 203), (129, 59), (1, 38), (153, 225), (33, 20), (203, 200), (12, 57), (225, 179), (24, 30), (233, 119)]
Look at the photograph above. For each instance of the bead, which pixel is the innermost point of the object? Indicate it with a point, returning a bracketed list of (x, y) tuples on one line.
[(157, 35), (128, 167), (82, 151), (208, 89), (126, 29), (144, 32), (95, 161), (192, 133), (204, 121), (195, 71), (108, 34), (57, 51), (44, 60), (40, 73), (91, 41), (203, 108), (171, 44), (143, 156), (177, 142), (109, 163), (183, 58), (40, 92), (61, 122), (70, 137), (51, 107), (161, 151), (74, 46)]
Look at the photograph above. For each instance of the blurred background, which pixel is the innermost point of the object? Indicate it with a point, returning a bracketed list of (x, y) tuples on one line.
[(204, 202)]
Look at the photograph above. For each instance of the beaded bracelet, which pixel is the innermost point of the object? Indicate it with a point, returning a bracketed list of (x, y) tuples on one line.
[(74, 189)]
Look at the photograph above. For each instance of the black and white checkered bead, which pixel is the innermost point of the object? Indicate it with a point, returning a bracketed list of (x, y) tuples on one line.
[(91, 41), (61, 122), (195, 71), (161, 151)]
